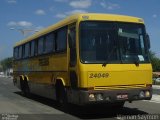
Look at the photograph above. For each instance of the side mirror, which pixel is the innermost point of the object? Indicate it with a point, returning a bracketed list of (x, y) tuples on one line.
[(148, 41)]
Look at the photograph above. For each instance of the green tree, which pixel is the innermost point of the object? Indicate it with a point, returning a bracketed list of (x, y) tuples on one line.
[(6, 63), (155, 61), (1, 69)]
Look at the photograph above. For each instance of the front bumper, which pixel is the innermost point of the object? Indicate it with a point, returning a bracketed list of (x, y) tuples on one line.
[(81, 97)]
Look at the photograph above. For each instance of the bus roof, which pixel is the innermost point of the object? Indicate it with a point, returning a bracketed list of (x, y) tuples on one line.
[(82, 17)]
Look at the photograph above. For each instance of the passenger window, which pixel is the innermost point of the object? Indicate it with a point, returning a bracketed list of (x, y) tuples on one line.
[(16, 53), (72, 44), (40, 46), (20, 52), (36, 47), (62, 39), (50, 43), (27, 46), (32, 48), (72, 37), (23, 51)]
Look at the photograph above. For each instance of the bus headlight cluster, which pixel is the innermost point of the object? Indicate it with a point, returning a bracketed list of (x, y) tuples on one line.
[(96, 97), (143, 94), (99, 97), (147, 94), (92, 97)]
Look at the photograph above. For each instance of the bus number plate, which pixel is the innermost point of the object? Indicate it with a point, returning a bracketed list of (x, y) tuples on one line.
[(98, 75)]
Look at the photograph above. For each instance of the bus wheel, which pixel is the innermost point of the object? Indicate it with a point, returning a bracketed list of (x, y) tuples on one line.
[(22, 86), (25, 88), (61, 95)]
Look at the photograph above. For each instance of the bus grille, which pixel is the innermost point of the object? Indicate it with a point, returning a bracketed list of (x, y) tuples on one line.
[(119, 87)]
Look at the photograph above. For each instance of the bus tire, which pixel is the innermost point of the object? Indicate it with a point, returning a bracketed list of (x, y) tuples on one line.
[(61, 95), (22, 86), (25, 91)]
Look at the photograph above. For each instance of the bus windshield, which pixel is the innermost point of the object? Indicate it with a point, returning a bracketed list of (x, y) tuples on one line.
[(112, 42)]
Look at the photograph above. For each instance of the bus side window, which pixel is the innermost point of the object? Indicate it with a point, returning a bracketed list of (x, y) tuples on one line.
[(72, 44), (72, 37), (23, 51), (36, 47), (40, 46), (20, 52), (54, 42), (26, 49), (32, 48), (62, 39), (44, 45), (50, 43), (16, 53)]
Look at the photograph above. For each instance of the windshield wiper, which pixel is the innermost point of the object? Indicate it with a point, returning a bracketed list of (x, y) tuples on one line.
[(108, 57), (130, 59), (136, 62)]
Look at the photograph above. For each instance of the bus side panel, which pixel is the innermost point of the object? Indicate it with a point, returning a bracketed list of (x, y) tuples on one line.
[(42, 73)]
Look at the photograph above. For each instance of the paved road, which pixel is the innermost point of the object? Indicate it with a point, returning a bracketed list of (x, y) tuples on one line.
[(13, 104)]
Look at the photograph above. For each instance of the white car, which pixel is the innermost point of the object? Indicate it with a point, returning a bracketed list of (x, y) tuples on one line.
[(157, 80), (2, 75)]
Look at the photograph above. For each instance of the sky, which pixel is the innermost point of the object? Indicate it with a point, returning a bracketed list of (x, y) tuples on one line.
[(34, 15)]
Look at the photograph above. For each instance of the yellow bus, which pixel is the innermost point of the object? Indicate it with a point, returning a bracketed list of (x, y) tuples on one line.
[(87, 59)]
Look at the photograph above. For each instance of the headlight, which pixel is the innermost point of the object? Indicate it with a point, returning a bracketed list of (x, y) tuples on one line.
[(99, 97), (141, 94), (92, 97), (147, 94)]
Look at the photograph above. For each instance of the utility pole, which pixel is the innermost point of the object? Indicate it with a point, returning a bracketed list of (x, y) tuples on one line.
[(25, 32)]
